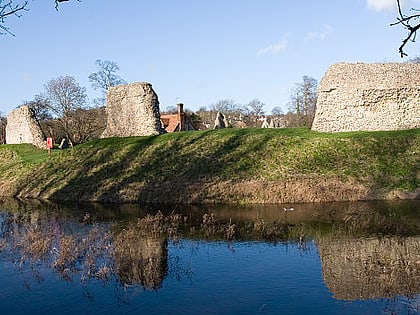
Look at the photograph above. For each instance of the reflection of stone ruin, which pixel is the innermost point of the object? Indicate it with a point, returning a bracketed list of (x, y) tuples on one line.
[(360, 96), (132, 110), (22, 127), (141, 259), (370, 268)]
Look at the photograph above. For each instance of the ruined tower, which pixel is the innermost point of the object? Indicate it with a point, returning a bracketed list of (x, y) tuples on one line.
[(22, 127), (359, 96), (132, 110)]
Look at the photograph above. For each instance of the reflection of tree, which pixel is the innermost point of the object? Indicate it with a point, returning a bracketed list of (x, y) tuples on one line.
[(136, 255), (69, 248), (36, 236), (141, 259)]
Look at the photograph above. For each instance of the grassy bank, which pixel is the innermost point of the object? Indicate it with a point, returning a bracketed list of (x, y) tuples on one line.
[(231, 165)]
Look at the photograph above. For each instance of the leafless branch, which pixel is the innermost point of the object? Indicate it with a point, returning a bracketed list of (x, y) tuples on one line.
[(410, 22), (7, 9), (58, 1)]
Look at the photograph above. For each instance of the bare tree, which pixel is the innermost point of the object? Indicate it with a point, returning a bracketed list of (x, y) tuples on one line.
[(255, 108), (65, 96), (40, 106), (409, 22), (105, 78), (171, 109), (207, 117), (87, 124), (303, 101), (225, 106), (277, 111), (106, 75)]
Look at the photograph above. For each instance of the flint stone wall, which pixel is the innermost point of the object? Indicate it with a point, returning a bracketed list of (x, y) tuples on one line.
[(132, 110), (22, 127), (354, 97)]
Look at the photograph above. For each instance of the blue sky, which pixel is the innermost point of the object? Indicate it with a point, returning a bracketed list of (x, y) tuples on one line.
[(196, 51)]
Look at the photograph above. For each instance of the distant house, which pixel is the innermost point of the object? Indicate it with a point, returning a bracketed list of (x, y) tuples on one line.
[(179, 121)]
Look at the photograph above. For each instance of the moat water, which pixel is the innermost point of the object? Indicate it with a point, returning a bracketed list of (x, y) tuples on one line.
[(337, 258)]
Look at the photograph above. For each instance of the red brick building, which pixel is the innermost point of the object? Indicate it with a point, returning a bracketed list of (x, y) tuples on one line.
[(178, 121)]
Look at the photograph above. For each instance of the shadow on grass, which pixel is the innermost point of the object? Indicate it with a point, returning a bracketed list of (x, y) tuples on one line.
[(154, 169), (183, 167)]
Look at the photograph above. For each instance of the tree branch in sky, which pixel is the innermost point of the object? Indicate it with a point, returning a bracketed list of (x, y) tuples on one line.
[(411, 23), (8, 8), (13, 7), (57, 1)]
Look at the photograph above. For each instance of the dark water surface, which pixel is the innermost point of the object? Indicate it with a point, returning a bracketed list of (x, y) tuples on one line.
[(339, 258)]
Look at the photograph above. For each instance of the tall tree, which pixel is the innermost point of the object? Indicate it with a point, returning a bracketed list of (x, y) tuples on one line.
[(104, 78), (303, 101), (207, 117), (277, 111), (41, 107), (255, 108), (65, 96), (87, 124), (225, 106)]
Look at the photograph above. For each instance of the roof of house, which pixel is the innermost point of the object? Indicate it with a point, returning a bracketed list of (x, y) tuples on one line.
[(170, 122)]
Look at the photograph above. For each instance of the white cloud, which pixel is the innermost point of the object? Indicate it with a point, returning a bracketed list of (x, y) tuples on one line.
[(310, 36), (274, 49), (27, 77), (382, 5), (391, 5)]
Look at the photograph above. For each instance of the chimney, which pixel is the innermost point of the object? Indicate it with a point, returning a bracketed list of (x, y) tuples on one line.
[(181, 119)]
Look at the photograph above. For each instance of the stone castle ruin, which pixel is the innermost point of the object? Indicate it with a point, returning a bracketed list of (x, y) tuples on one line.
[(132, 110), (359, 96), (22, 127)]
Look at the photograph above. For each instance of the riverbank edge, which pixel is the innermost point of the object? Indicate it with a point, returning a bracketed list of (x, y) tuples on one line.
[(303, 190)]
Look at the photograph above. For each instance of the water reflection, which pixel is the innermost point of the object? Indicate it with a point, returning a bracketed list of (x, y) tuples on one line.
[(370, 268), (141, 259), (366, 250)]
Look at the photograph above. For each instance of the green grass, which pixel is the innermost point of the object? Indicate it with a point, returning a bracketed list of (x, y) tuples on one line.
[(106, 168)]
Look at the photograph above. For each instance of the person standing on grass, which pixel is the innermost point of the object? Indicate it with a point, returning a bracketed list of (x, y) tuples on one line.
[(49, 144)]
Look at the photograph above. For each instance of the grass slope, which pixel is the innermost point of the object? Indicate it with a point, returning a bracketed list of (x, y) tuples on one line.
[(230, 165)]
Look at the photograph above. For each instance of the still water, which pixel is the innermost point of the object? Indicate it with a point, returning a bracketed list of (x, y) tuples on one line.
[(339, 258)]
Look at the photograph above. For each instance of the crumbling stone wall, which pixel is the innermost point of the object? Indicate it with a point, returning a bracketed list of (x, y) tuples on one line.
[(132, 110), (383, 96), (22, 127)]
